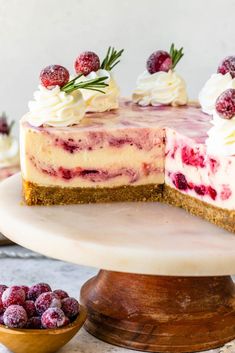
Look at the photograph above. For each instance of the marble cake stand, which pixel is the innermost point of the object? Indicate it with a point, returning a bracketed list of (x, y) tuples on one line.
[(164, 284)]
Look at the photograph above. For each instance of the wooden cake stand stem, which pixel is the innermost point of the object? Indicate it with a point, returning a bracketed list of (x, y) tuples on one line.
[(160, 313)]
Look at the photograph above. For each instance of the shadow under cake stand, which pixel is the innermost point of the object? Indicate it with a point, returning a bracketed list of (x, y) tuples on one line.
[(164, 284)]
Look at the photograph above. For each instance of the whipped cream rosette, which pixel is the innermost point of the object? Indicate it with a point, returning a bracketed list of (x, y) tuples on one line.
[(160, 84)]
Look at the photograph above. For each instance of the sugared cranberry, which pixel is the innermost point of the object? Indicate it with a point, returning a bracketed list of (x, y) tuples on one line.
[(70, 307), (61, 293), (46, 301), (200, 189), (227, 65), (30, 308), (159, 61), (38, 289), (1, 319), (3, 287), (4, 127), (15, 316), (225, 104), (86, 63), (53, 318), (54, 75), (13, 295), (180, 181), (26, 290), (211, 192), (34, 323)]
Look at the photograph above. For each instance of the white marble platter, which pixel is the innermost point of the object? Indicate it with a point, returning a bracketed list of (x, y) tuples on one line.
[(147, 238)]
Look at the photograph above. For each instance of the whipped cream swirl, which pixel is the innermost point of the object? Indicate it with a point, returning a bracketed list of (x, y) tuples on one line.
[(54, 107), (9, 151), (212, 89), (221, 138), (100, 102), (160, 88)]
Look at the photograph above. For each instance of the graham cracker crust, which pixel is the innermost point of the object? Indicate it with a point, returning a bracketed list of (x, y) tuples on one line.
[(219, 216), (54, 195)]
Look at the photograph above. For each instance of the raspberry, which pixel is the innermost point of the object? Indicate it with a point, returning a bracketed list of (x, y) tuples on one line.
[(53, 318), (15, 316), (4, 127), (30, 308), (34, 323), (2, 288), (38, 289), (225, 104), (54, 75), (46, 301), (13, 295), (159, 61), (70, 307), (180, 181), (227, 65), (86, 63), (61, 293)]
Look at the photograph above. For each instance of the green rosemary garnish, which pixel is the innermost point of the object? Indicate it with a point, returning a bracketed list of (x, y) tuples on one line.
[(111, 59), (95, 84), (176, 55)]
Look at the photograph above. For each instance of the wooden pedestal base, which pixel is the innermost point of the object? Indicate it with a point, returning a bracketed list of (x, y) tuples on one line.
[(159, 313)]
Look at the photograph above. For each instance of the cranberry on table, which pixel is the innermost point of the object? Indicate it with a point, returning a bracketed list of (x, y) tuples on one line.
[(70, 307), (37, 290), (61, 293), (30, 308), (13, 295), (159, 61), (53, 318), (54, 75), (34, 323), (47, 300), (225, 104), (15, 316), (227, 65), (86, 63)]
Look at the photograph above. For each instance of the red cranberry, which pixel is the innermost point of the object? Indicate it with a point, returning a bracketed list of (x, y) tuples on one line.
[(46, 301), (227, 65), (211, 192), (192, 157), (61, 293), (13, 295), (159, 61), (15, 316), (26, 290), (86, 63), (70, 307), (34, 323), (180, 181), (38, 289), (200, 189), (53, 318), (30, 308), (1, 306), (225, 104), (54, 75), (2, 288)]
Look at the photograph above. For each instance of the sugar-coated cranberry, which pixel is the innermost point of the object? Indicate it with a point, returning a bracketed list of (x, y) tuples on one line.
[(180, 181), (54, 75), (34, 323), (26, 290), (212, 192), (30, 308), (70, 307), (225, 104), (61, 293), (86, 63), (227, 65), (159, 61), (3, 287), (46, 301), (15, 316), (1, 319), (53, 318), (38, 289), (13, 295)]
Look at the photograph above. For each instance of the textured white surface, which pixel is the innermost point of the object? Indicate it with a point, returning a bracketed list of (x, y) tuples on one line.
[(69, 277), (148, 238), (38, 33)]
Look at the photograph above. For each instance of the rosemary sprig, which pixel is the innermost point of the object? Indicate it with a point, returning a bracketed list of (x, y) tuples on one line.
[(111, 59), (176, 55), (95, 84)]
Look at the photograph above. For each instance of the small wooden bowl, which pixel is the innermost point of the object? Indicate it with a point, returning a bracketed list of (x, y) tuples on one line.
[(40, 341)]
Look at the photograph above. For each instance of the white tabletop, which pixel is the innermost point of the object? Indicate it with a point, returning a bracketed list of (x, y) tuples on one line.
[(148, 238)]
